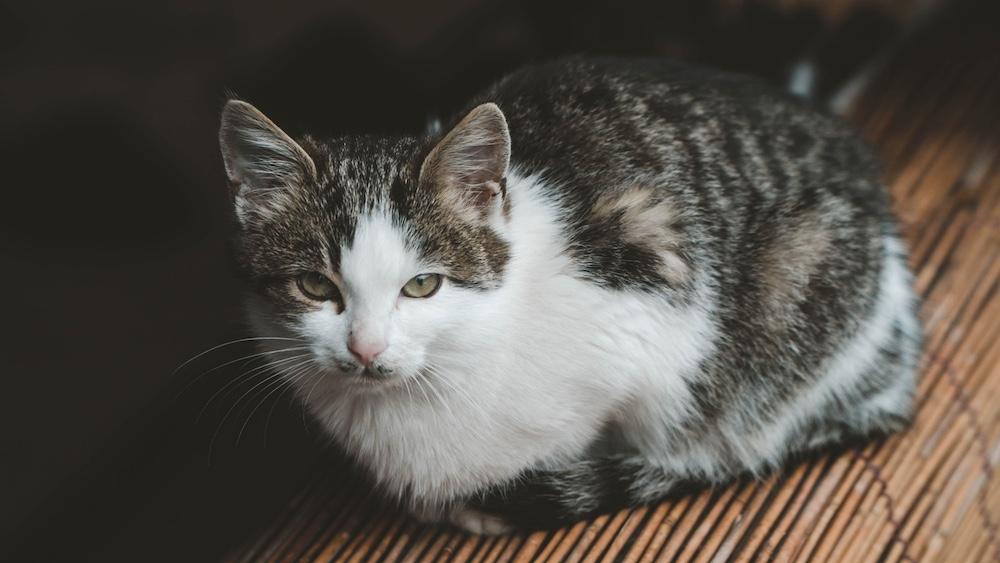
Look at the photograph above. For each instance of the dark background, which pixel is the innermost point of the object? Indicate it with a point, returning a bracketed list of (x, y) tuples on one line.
[(115, 215)]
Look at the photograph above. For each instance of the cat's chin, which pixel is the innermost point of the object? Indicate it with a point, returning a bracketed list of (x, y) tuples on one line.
[(363, 382)]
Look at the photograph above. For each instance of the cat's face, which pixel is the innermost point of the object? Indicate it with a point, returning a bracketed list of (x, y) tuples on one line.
[(371, 252)]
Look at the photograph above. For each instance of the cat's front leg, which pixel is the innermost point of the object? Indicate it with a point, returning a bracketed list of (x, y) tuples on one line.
[(477, 521)]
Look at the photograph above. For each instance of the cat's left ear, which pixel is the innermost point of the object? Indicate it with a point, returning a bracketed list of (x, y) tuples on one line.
[(468, 167)]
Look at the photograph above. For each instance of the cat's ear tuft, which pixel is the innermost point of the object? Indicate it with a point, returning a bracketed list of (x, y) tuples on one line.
[(468, 167), (259, 156)]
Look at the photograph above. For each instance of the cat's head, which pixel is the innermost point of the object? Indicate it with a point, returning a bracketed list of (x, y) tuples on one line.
[(369, 251)]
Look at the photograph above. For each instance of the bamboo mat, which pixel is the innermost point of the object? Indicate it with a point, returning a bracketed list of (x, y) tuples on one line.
[(930, 494)]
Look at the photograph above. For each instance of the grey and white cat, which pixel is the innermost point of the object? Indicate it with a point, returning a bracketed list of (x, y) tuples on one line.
[(603, 279)]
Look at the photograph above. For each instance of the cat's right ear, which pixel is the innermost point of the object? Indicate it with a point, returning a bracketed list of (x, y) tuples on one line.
[(261, 160)]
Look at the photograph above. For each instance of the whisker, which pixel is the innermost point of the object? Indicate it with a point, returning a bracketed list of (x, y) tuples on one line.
[(456, 388), (406, 386), (440, 398), (279, 370), (319, 379), (230, 343), (266, 380), (416, 383), (305, 404), (288, 377), (231, 362), (458, 392), (267, 423), (283, 384), (245, 376)]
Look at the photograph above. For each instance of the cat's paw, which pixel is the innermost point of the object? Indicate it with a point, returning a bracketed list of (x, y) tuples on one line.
[(478, 522)]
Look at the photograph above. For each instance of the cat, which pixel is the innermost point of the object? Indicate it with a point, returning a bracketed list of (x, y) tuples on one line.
[(602, 279)]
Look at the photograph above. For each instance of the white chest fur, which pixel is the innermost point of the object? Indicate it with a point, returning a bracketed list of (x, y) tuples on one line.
[(551, 359)]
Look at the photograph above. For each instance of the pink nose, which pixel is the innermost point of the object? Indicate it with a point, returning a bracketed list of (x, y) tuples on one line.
[(364, 351)]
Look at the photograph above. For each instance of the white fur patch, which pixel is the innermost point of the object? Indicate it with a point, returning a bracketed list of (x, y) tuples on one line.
[(477, 371)]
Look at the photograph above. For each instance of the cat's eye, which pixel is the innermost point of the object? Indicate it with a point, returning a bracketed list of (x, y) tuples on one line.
[(318, 287), (422, 286)]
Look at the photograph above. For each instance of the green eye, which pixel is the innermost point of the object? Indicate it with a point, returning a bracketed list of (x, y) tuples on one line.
[(422, 286), (318, 287)]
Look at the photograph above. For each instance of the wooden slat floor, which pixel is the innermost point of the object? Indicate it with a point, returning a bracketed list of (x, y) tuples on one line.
[(930, 494)]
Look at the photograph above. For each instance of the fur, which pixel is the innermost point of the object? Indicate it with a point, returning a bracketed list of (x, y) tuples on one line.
[(654, 275)]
